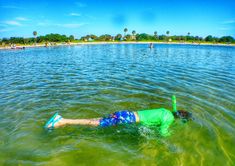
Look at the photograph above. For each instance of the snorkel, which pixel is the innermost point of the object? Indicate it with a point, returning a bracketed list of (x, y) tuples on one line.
[(174, 109), (180, 113)]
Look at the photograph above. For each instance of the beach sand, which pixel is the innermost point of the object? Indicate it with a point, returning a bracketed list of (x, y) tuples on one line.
[(129, 42)]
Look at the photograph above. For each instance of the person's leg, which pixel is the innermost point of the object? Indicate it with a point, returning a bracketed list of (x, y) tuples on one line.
[(90, 122), (63, 122), (120, 117)]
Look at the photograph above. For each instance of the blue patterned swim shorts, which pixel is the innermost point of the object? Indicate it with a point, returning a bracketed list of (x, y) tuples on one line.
[(120, 117)]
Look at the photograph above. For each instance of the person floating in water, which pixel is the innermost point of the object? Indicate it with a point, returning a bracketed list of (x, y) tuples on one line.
[(154, 117)]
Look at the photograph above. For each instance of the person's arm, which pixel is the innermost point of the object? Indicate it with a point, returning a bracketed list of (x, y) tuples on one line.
[(164, 127)]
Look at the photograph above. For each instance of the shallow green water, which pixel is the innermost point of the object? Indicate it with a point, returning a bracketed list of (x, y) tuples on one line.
[(93, 80)]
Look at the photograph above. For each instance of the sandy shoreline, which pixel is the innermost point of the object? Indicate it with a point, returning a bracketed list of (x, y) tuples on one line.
[(97, 43)]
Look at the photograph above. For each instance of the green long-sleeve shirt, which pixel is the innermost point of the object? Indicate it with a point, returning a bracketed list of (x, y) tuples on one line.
[(162, 117)]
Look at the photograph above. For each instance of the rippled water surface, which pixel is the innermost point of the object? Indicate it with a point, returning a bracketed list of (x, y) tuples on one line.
[(93, 80)]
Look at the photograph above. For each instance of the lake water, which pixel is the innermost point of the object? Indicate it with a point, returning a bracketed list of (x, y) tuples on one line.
[(94, 80)]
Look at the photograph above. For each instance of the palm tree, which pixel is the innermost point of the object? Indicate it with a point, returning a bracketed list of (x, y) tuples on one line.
[(155, 34), (35, 36), (188, 37), (125, 31), (167, 32), (133, 34)]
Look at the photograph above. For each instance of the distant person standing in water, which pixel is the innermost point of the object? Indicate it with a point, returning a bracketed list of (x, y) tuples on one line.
[(151, 45), (154, 117)]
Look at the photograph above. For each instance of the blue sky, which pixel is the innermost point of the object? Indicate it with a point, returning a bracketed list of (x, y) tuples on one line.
[(80, 17)]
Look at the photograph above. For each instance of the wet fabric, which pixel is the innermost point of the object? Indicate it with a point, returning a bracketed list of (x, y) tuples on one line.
[(161, 117), (120, 117)]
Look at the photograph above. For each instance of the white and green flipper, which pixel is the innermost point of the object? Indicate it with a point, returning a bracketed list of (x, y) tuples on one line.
[(53, 120)]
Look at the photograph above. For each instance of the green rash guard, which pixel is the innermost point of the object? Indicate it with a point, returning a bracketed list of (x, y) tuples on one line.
[(161, 116)]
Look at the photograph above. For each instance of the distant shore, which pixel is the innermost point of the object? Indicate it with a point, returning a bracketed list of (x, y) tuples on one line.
[(114, 42)]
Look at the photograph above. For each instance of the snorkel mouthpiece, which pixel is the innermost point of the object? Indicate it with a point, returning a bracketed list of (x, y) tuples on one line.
[(174, 104)]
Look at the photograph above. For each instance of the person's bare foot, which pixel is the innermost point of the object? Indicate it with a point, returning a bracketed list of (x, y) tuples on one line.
[(57, 122)]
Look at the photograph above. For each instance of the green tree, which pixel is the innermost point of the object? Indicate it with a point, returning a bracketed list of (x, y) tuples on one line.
[(209, 38), (155, 34), (133, 35), (118, 37), (167, 32), (125, 31), (162, 37), (26, 40), (133, 32), (93, 37), (188, 37), (5, 40), (144, 37), (196, 38), (128, 37), (228, 39), (105, 37), (35, 33), (35, 36), (71, 38), (54, 38), (16, 40), (84, 38)]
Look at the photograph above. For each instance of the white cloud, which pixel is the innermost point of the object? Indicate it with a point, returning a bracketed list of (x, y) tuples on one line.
[(12, 22), (2, 25), (69, 25), (5, 29), (80, 4), (11, 7), (90, 16), (16, 22), (74, 14), (228, 22), (42, 24), (22, 19), (224, 29), (72, 25)]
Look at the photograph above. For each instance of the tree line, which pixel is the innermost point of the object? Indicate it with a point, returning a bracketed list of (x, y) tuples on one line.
[(119, 37), (37, 39), (155, 37)]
